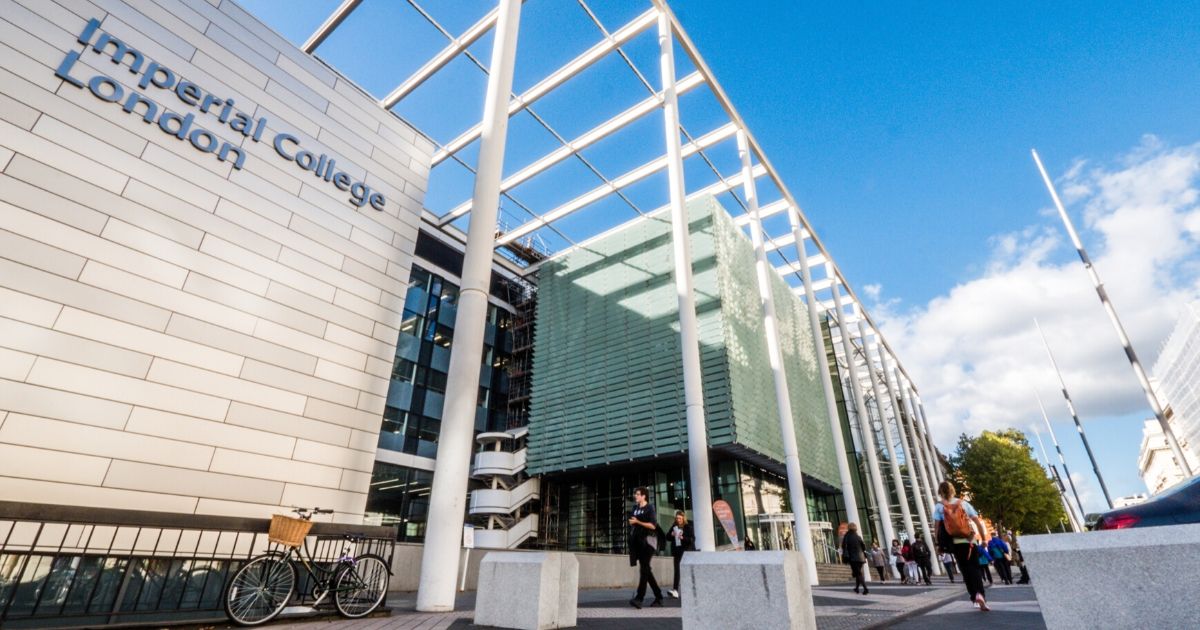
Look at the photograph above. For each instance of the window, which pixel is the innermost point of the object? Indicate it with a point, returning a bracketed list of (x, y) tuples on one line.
[(419, 379)]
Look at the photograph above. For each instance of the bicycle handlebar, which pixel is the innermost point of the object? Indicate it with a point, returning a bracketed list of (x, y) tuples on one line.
[(308, 512)]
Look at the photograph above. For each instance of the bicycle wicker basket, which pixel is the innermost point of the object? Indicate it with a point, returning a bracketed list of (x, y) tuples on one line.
[(288, 531)]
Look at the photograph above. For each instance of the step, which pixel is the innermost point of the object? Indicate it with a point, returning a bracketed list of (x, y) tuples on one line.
[(834, 573)]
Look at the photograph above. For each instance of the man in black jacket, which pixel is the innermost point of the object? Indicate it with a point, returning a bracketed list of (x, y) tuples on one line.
[(923, 556), (643, 543)]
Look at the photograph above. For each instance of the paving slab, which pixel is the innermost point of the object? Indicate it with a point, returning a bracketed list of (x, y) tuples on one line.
[(837, 607)]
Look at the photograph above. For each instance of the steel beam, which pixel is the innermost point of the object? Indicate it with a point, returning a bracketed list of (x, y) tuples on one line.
[(601, 131), (642, 172), (329, 25), (556, 78), (457, 46)]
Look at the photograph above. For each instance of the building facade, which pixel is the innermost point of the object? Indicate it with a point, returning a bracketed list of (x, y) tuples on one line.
[(1156, 463), (607, 397), (207, 239), (1177, 379), (221, 293)]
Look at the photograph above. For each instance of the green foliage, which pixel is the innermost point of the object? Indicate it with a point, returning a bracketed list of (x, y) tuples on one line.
[(1005, 483)]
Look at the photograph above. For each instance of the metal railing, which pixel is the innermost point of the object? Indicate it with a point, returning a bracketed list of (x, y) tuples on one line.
[(69, 567)]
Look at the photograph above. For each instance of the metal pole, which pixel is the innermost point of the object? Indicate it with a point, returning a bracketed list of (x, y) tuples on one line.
[(1074, 415), (1151, 397), (937, 462), (908, 411), (689, 330), (447, 499), (897, 480), (1062, 491), (926, 444), (814, 320), (1061, 459), (892, 384), (1076, 524), (783, 399), (864, 420)]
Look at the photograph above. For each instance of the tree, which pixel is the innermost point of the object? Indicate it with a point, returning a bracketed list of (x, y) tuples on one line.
[(1004, 482)]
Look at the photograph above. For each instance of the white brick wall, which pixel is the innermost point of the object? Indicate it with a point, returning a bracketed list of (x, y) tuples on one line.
[(177, 334)]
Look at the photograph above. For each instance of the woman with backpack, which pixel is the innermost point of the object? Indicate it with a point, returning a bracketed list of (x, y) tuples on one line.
[(952, 518)]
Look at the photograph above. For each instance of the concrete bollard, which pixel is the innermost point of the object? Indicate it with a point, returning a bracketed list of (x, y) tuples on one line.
[(763, 589), (528, 591), (1121, 578)]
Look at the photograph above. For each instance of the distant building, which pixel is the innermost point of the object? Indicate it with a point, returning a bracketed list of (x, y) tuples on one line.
[(1155, 462), (1177, 381), (1133, 499)]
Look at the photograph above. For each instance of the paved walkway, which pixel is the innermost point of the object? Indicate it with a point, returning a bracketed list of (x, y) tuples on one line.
[(838, 608), (1013, 607)]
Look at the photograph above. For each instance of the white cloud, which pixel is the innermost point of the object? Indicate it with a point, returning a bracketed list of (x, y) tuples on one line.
[(974, 350)]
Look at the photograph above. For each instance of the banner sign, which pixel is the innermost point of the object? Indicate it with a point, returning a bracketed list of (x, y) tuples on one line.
[(724, 514)]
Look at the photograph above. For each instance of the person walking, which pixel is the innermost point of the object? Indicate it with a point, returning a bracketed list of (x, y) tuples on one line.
[(952, 518), (923, 556), (999, 551), (683, 538), (643, 544), (985, 561), (910, 563), (879, 561), (1019, 560), (948, 562), (898, 560), (854, 551)]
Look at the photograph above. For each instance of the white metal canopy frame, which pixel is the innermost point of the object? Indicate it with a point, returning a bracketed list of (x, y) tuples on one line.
[(795, 245)]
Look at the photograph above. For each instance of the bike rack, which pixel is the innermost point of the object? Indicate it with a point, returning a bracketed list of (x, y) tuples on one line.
[(74, 567)]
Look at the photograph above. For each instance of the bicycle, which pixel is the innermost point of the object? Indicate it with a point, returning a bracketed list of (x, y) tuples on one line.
[(262, 587)]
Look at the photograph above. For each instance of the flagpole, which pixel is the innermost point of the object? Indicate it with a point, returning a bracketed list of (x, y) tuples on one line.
[(1058, 485), (1151, 397), (1075, 417), (1061, 458)]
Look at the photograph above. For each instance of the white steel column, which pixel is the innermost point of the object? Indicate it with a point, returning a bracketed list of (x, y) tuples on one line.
[(689, 329), (783, 400), (814, 320), (916, 441), (897, 480), (937, 463), (910, 461), (923, 435), (864, 420), (447, 500)]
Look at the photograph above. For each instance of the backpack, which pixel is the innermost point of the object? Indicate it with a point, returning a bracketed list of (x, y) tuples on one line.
[(955, 519)]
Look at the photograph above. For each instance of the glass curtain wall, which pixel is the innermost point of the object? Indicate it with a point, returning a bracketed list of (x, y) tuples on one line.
[(593, 510), (412, 419), (400, 496)]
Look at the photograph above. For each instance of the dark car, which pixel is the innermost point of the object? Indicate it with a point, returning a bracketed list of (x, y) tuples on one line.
[(1175, 506)]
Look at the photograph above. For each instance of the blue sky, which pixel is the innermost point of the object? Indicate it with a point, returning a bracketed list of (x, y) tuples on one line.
[(904, 130)]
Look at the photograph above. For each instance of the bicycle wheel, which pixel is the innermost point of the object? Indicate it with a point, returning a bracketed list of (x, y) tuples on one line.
[(360, 587), (260, 589)]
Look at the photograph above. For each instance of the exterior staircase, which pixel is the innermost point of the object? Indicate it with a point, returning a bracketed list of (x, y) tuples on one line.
[(503, 507), (834, 574)]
